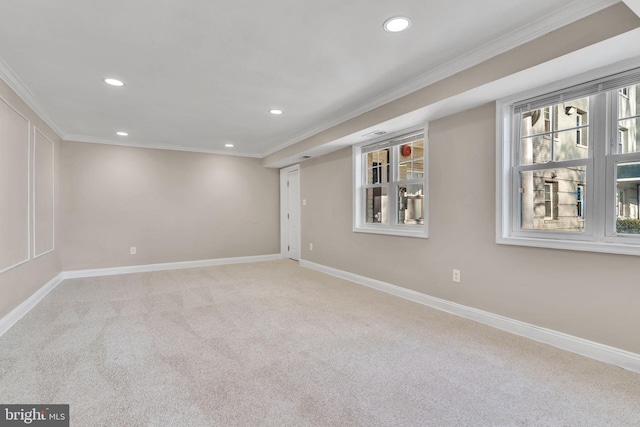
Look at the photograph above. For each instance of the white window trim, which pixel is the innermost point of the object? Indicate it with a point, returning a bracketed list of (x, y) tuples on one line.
[(359, 205), (599, 235)]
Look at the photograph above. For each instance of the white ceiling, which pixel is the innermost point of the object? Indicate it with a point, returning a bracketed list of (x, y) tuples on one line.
[(202, 73)]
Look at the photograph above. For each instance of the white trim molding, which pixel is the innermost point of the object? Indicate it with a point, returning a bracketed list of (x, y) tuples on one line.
[(633, 5), (28, 189), (583, 347), (18, 313), (76, 274), (157, 146), (18, 86), (36, 255)]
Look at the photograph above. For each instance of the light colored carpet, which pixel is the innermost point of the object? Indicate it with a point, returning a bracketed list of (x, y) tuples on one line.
[(274, 344)]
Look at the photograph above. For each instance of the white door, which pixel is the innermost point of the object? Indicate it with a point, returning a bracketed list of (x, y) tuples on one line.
[(290, 212)]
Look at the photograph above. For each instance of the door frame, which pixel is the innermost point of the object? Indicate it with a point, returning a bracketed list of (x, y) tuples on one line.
[(284, 203)]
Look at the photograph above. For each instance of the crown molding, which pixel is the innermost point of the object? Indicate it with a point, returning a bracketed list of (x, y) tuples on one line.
[(16, 84), (157, 146), (633, 5), (565, 15)]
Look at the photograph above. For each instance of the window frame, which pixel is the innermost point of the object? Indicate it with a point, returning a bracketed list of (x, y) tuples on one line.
[(599, 234), (360, 186)]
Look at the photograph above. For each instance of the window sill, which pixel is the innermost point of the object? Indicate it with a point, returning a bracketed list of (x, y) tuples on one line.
[(415, 231), (573, 245)]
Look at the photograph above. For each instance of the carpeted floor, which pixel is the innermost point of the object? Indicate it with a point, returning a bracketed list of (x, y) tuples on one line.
[(278, 345)]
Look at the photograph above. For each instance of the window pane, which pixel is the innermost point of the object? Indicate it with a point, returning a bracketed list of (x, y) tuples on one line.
[(629, 136), (378, 167), (404, 170), (571, 144), (553, 199), (629, 101), (536, 122), (418, 169), (411, 170), (410, 204), (560, 130), (628, 183), (628, 122), (405, 152), (411, 160), (377, 205), (535, 150), (418, 149), (411, 150), (570, 114)]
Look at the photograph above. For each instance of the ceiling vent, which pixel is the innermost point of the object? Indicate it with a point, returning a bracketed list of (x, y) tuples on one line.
[(374, 133)]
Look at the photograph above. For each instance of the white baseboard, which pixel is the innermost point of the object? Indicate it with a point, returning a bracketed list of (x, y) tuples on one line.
[(593, 350), (17, 313), (75, 274)]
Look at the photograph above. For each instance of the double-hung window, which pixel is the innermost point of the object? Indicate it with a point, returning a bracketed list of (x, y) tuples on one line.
[(569, 167), (390, 187)]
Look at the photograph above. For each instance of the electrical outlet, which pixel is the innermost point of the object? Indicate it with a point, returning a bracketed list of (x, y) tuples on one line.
[(304, 202), (310, 246), (132, 251), (456, 275)]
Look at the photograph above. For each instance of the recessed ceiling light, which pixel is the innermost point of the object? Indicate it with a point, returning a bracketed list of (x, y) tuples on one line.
[(397, 24), (114, 82), (276, 112), (121, 133), (228, 145)]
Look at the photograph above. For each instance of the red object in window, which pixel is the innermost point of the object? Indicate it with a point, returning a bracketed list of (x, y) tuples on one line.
[(405, 150)]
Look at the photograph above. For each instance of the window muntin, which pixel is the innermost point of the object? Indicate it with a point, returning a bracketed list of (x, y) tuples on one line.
[(598, 208), (392, 188)]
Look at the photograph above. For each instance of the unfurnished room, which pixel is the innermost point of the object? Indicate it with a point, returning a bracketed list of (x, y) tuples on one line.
[(336, 213)]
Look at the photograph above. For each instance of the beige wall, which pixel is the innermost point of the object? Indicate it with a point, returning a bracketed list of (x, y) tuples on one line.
[(20, 282), (589, 295), (171, 205)]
